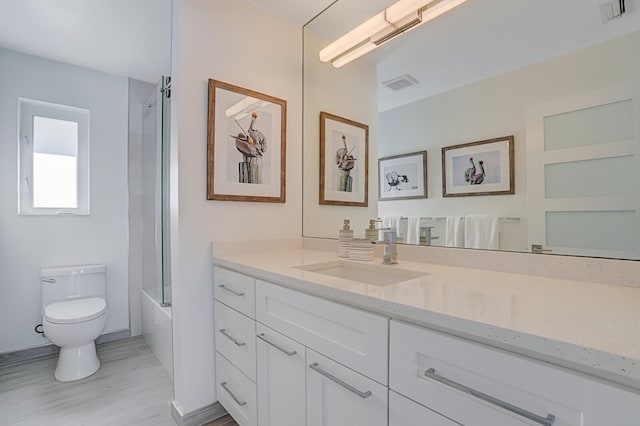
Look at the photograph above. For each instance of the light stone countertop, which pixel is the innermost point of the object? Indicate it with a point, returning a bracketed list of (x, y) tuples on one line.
[(589, 327)]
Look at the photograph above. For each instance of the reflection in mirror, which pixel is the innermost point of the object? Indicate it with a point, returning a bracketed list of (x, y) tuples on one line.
[(481, 71)]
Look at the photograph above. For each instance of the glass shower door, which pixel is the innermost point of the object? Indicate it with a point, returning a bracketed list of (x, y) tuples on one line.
[(155, 227)]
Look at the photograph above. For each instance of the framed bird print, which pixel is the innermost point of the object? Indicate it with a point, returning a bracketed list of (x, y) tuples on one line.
[(403, 177), (246, 145), (478, 168), (344, 161)]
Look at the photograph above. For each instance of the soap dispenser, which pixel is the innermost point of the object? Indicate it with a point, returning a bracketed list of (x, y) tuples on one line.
[(371, 233), (344, 240)]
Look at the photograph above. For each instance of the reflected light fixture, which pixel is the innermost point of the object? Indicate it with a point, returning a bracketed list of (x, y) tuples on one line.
[(399, 18)]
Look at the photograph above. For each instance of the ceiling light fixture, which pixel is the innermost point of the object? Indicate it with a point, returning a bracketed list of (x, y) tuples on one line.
[(399, 18)]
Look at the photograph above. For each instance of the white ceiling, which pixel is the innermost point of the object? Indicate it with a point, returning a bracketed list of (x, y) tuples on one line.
[(297, 11), (131, 38)]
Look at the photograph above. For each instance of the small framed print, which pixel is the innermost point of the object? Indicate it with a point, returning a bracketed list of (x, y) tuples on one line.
[(478, 168), (246, 144), (344, 161), (403, 177)]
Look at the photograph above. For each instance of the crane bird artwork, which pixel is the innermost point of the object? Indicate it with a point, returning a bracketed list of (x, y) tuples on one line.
[(345, 162), (252, 144), (471, 176)]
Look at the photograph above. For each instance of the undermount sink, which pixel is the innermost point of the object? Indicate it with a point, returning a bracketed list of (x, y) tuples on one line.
[(362, 272)]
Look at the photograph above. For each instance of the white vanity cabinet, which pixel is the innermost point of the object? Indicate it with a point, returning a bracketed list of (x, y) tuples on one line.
[(287, 358), (292, 359), (473, 384)]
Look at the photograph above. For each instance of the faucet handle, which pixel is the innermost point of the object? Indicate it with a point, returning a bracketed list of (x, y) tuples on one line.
[(390, 236)]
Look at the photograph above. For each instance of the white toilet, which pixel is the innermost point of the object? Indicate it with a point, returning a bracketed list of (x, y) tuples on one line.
[(74, 312)]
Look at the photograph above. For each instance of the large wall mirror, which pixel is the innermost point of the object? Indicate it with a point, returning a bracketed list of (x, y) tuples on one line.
[(558, 77)]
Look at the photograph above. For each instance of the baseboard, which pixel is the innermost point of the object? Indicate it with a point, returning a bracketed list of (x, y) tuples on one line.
[(52, 350), (114, 335), (198, 417)]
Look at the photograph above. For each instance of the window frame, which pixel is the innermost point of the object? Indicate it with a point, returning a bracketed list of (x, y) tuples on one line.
[(27, 109)]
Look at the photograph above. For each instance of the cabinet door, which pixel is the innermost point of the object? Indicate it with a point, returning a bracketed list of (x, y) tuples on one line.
[(281, 379), (338, 396), (404, 412)]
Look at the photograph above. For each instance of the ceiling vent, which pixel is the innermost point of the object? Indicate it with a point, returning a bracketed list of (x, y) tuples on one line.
[(401, 82), (613, 9)]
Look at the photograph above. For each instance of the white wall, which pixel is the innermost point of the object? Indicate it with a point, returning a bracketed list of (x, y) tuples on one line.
[(236, 42), (28, 243), (348, 92), (492, 108)]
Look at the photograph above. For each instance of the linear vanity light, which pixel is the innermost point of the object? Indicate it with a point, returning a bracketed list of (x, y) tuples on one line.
[(399, 18)]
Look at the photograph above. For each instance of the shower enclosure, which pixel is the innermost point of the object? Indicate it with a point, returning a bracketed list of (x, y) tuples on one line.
[(154, 192)]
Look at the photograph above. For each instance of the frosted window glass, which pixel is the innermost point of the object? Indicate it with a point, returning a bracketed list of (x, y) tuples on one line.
[(52, 136), (605, 230), (591, 126), (601, 177), (55, 181)]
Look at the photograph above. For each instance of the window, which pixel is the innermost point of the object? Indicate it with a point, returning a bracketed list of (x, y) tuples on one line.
[(54, 159)]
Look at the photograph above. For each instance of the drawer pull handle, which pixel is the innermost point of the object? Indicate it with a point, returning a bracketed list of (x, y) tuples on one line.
[(230, 290), (240, 403), (284, 351), (223, 331), (546, 421), (333, 378)]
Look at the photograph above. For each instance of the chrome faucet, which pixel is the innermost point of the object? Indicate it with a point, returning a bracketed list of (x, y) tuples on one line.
[(390, 253)]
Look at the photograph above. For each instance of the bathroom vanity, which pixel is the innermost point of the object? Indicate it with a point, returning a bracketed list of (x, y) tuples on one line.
[(305, 338)]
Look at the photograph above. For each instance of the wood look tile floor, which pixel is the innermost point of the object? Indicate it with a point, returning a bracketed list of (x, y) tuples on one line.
[(131, 388), (223, 421)]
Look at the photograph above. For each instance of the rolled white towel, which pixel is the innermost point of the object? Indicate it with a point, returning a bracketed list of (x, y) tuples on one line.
[(413, 230), (454, 233), (481, 232)]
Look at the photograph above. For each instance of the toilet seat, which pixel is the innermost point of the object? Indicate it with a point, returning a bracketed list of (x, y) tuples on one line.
[(75, 311)]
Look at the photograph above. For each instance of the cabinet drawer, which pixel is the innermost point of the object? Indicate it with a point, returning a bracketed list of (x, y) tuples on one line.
[(352, 337), (338, 396), (404, 412), (437, 370), (235, 336), (236, 393), (235, 290)]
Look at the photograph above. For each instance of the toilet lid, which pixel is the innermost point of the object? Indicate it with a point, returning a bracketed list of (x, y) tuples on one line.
[(72, 311)]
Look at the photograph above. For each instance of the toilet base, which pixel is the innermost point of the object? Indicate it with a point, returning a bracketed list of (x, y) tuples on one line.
[(75, 363)]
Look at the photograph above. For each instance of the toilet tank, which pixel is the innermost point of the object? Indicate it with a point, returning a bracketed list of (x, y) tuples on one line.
[(73, 282)]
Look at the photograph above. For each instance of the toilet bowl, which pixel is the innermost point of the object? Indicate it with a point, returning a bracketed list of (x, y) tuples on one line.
[(74, 314), (74, 325)]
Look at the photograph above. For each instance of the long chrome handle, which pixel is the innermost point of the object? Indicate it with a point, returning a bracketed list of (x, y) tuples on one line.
[(240, 403), (230, 290), (333, 378), (546, 421), (48, 280), (223, 331), (284, 351)]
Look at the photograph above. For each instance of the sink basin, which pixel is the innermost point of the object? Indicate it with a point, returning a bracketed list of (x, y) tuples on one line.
[(380, 275)]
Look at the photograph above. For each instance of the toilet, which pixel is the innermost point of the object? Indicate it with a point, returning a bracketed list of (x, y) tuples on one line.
[(74, 314)]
